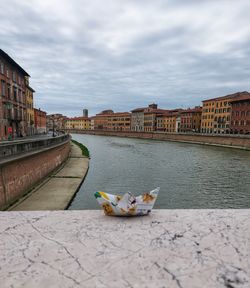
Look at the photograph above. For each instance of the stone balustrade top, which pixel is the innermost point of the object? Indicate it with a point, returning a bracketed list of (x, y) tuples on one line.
[(169, 248), (18, 147)]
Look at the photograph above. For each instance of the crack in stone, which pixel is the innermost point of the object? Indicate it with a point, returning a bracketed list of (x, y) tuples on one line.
[(60, 272), (174, 277), (61, 245)]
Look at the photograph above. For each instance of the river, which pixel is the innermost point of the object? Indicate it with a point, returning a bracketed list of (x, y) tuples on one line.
[(190, 176)]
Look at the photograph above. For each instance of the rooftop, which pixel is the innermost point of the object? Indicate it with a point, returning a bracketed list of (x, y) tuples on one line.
[(14, 63), (226, 97), (243, 97)]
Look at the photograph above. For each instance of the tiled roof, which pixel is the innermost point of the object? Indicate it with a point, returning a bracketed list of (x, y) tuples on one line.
[(243, 97), (226, 97), (192, 110), (11, 61), (78, 118)]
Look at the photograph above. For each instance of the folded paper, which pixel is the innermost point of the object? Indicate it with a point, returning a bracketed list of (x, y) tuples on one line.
[(128, 204)]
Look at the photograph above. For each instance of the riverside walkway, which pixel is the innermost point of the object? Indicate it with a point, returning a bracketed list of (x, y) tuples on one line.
[(168, 248), (56, 192)]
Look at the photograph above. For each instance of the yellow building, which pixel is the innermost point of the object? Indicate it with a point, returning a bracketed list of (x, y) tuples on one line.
[(30, 108), (216, 114), (81, 123)]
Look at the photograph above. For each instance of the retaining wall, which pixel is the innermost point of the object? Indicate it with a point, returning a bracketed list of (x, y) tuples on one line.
[(19, 174), (234, 141)]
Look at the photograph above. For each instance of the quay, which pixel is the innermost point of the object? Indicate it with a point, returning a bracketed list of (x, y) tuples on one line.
[(40, 174), (169, 248), (57, 191)]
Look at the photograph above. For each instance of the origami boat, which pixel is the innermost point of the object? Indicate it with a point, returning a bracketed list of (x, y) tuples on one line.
[(128, 204)]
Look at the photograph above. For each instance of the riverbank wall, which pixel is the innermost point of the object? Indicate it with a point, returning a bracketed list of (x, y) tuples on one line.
[(233, 141), (23, 164), (58, 189)]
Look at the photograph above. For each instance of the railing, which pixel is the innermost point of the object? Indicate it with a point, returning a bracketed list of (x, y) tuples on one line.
[(15, 148)]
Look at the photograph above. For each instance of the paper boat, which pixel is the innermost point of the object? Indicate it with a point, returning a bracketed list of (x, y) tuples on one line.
[(128, 204)]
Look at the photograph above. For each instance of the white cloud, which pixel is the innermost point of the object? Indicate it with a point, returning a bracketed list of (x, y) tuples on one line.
[(126, 53)]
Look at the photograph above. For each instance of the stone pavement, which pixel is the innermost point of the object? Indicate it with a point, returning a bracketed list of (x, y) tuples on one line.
[(56, 192), (169, 248)]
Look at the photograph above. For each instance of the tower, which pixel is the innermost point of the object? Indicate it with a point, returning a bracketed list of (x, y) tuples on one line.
[(85, 112)]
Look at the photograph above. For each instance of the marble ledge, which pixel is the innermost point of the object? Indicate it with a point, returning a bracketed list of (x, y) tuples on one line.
[(169, 248)]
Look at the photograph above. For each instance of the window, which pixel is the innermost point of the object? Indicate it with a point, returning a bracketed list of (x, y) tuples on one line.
[(14, 76), (8, 91), (3, 89), (2, 68), (15, 93)]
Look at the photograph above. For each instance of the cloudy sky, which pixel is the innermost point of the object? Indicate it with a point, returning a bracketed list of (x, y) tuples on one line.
[(124, 54)]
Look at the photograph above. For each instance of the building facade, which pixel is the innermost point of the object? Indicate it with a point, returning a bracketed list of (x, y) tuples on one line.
[(101, 120), (216, 114), (137, 120), (119, 121), (80, 123), (190, 120), (56, 122), (240, 115), (13, 110), (30, 108), (40, 121), (167, 121), (145, 119)]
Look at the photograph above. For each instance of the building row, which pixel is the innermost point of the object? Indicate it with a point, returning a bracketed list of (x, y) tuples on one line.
[(221, 115), (18, 117)]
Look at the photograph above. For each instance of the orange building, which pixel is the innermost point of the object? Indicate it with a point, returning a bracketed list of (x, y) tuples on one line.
[(168, 121), (40, 121), (216, 114), (100, 121), (119, 121), (191, 120)]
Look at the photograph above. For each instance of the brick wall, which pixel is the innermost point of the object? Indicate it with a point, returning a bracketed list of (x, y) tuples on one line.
[(17, 177)]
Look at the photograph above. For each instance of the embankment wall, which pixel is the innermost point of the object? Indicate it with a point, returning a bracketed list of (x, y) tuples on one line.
[(18, 175), (234, 141)]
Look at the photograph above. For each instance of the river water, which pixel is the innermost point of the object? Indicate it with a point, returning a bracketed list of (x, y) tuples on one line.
[(190, 176)]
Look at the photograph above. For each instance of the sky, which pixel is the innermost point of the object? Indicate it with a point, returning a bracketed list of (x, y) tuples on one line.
[(125, 54)]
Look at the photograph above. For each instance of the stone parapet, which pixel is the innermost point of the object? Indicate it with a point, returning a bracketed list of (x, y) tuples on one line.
[(22, 171), (169, 248), (14, 148)]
